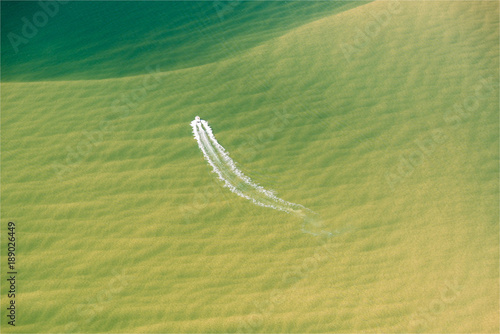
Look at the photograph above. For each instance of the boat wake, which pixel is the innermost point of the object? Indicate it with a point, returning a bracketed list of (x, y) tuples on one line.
[(242, 185)]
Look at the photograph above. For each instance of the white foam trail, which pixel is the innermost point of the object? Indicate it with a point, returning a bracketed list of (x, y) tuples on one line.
[(239, 183)]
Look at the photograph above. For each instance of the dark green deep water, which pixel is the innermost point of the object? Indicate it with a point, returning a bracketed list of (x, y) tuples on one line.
[(97, 39)]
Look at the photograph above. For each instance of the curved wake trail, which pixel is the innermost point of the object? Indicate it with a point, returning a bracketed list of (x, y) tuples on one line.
[(239, 183)]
